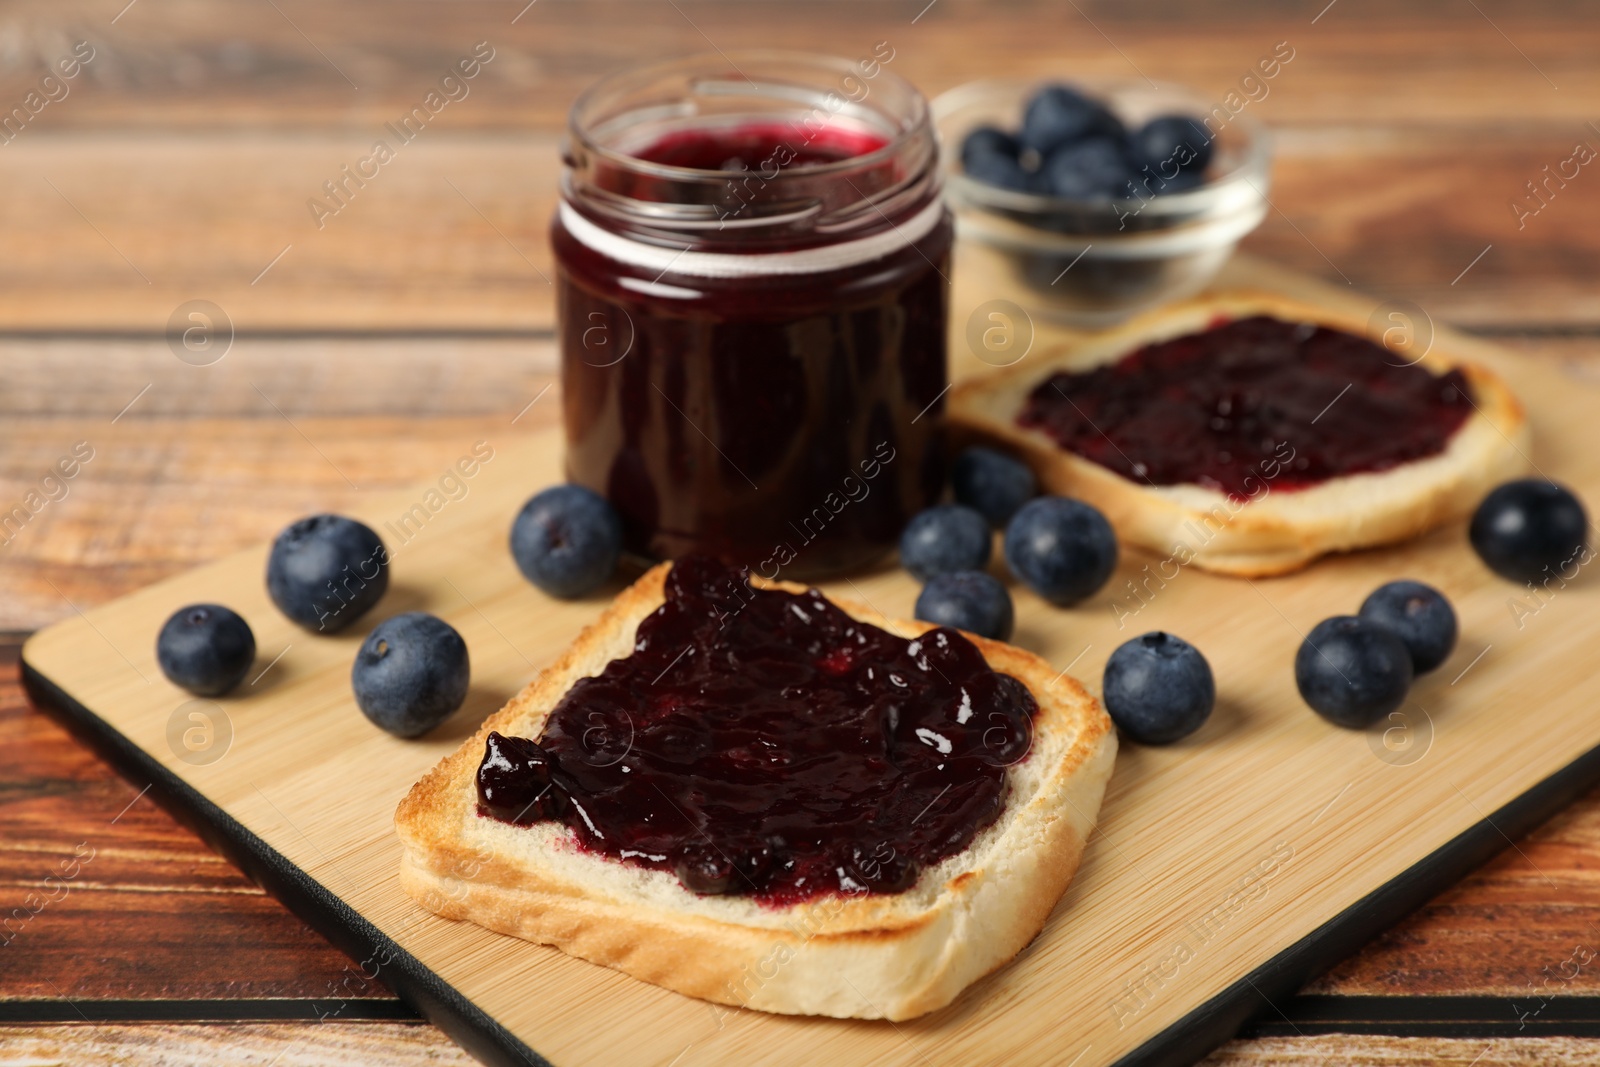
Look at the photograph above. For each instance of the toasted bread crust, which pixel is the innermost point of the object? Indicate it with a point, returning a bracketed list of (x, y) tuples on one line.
[(871, 956), (1277, 532)]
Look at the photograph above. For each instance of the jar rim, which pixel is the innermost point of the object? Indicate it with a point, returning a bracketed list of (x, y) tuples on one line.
[(801, 96), (907, 128)]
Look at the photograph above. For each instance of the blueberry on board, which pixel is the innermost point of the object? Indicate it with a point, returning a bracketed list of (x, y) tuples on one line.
[(992, 483), (1172, 142), (1352, 671), (1531, 530), (1059, 114), (988, 141), (974, 601), (205, 648), (945, 539), (1087, 170), (411, 673), (1001, 171), (1158, 688), (1062, 549), (326, 571), (567, 540), (1419, 615)]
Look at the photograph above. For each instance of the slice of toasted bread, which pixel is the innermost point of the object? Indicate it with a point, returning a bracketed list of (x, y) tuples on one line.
[(861, 956), (1279, 531)]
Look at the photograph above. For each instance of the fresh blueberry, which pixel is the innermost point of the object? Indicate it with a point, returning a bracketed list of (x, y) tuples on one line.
[(566, 540), (1181, 182), (1062, 549), (411, 673), (1058, 115), (1352, 671), (1087, 170), (992, 483), (973, 601), (945, 539), (1002, 171), (1419, 616), (1158, 688), (206, 649), (1171, 141), (1531, 530), (326, 571), (988, 141), (1148, 183)]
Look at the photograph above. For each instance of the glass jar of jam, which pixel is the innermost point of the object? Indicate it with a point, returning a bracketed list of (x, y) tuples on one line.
[(752, 260)]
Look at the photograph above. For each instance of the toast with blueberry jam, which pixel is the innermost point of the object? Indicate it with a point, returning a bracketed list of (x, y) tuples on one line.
[(750, 793), (1249, 433)]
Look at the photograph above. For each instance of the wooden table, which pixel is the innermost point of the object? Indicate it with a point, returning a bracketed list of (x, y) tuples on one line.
[(368, 353)]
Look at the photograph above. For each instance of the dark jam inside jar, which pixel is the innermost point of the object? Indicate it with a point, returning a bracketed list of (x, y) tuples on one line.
[(758, 145), (1252, 404), (751, 311), (766, 744)]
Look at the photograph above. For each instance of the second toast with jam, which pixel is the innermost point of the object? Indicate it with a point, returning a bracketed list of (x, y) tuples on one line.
[(1248, 433)]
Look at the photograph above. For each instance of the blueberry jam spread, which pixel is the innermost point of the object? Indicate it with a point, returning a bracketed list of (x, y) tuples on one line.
[(765, 744), (1252, 404)]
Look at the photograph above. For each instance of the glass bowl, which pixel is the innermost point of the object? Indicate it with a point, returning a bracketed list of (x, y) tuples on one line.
[(1092, 263)]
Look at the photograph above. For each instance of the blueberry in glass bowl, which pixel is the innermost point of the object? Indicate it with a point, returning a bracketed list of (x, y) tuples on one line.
[(1096, 199)]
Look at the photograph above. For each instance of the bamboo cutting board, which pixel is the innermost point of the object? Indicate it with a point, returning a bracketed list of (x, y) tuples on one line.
[(1225, 870)]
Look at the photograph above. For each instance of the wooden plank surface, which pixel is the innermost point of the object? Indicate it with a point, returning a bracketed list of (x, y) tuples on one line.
[(454, 237), (1267, 743), (181, 163), (186, 924), (208, 460), (253, 1044), (190, 463), (190, 142), (391, 1045)]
